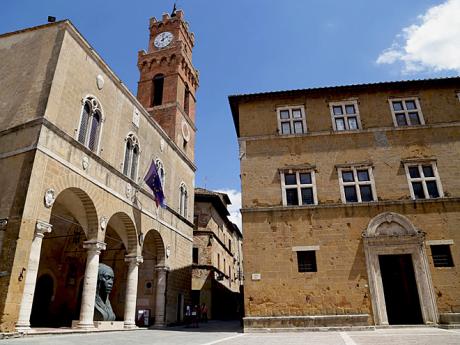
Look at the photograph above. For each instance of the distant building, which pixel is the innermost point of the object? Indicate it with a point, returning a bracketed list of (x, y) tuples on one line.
[(351, 204), (75, 145), (217, 275)]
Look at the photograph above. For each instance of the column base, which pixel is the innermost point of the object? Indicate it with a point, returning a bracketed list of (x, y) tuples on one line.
[(130, 325), (77, 324), (23, 328)]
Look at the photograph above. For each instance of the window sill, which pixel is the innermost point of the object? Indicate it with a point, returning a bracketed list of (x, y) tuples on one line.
[(350, 205), (364, 130)]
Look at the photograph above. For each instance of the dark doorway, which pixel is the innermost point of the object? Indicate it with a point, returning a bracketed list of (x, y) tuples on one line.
[(40, 315), (400, 289)]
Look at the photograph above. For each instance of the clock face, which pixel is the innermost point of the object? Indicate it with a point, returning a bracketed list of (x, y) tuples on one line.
[(163, 39)]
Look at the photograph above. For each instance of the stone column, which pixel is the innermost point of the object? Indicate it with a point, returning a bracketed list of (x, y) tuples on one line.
[(131, 290), (90, 283), (41, 228), (160, 298)]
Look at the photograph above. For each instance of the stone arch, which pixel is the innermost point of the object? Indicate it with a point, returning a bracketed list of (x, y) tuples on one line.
[(154, 237), (87, 192), (390, 224), (123, 225), (79, 204)]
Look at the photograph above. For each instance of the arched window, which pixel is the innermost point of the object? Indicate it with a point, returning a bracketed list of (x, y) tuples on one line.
[(186, 99), (157, 89), (183, 198), (161, 171), (90, 124), (131, 160)]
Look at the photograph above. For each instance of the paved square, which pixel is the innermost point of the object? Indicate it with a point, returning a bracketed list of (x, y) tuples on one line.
[(229, 333)]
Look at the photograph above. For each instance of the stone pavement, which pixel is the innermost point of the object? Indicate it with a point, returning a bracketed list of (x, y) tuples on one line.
[(229, 333)]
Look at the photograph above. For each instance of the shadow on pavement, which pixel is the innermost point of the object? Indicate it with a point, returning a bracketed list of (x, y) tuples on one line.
[(212, 326)]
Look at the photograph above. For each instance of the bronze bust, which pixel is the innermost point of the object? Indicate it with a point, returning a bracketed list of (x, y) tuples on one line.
[(102, 308)]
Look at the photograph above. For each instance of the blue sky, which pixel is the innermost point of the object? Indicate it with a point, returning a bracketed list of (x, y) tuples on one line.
[(262, 45)]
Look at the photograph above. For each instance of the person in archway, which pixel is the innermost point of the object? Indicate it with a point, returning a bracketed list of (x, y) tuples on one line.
[(204, 312), (103, 309)]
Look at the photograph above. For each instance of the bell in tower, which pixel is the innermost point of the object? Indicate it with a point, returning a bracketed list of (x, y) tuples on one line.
[(168, 81)]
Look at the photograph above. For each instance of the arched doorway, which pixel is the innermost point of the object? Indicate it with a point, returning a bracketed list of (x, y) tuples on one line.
[(399, 275), (74, 220), (153, 253)]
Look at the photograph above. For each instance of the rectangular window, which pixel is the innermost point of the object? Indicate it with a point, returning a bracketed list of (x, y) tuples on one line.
[(345, 116), (195, 255), (291, 120), (357, 184), (406, 112), (306, 261), (298, 188), (442, 256), (423, 179)]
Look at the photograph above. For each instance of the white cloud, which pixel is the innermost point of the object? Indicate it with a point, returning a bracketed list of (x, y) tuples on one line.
[(234, 208), (431, 45)]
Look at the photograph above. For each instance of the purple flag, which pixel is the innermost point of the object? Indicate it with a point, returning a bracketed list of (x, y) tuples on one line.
[(152, 179)]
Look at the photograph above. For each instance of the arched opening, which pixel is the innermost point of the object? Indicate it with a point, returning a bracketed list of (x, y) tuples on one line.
[(157, 89), (153, 253), (63, 258), (399, 276), (120, 239), (186, 99)]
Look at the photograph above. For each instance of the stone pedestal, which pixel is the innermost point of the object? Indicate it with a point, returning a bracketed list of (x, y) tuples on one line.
[(131, 290), (90, 283), (160, 298), (23, 324)]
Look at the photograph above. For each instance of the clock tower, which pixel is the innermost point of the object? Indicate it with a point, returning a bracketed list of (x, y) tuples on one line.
[(168, 80)]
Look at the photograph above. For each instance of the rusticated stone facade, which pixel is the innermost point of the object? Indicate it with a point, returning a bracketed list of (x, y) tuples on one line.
[(75, 145), (320, 257), (217, 257)]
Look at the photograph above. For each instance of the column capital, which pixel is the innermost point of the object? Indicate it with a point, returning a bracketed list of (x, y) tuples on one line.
[(94, 245), (3, 224), (41, 228), (134, 259), (161, 268)]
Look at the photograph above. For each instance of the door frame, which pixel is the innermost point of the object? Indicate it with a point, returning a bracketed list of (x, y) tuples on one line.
[(391, 233)]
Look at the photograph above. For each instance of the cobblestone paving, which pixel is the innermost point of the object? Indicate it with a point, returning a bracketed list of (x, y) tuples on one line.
[(226, 333)]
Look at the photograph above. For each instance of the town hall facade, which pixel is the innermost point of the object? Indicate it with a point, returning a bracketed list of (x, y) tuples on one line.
[(75, 145)]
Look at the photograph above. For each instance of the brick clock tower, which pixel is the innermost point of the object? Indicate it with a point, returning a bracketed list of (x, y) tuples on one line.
[(168, 80)]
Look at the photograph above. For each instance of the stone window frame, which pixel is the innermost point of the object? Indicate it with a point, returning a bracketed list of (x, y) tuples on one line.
[(450, 259), (298, 185), (183, 199), (130, 158), (406, 111), (420, 163), (345, 116), (95, 107), (356, 183), (291, 119), (306, 249)]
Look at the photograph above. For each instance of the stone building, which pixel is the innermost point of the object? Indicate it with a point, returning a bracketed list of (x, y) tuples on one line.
[(351, 204), (75, 145), (217, 275)]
